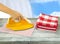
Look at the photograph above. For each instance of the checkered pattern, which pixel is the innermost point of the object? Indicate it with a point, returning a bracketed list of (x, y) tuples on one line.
[(47, 22)]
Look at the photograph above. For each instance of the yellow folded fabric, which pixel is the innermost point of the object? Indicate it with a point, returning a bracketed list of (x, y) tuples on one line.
[(23, 24)]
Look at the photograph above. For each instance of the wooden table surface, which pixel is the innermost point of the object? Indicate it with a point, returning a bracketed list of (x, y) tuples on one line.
[(36, 36)]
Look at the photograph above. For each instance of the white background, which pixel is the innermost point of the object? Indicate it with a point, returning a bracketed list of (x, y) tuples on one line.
[(22, 6)]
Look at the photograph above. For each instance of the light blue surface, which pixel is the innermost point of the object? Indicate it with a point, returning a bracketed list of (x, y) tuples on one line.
[(45, 6)]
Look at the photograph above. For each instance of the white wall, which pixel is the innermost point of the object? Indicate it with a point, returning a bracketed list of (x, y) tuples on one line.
[(22, 6), (56, 13)]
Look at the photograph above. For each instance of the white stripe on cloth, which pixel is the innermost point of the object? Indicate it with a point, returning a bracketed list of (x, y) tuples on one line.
[(46, 27)]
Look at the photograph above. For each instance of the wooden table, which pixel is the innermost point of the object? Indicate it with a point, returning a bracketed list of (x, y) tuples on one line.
[(37, 35)]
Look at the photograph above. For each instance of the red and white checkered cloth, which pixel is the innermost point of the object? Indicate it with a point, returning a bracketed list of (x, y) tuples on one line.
[(47, 22)]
